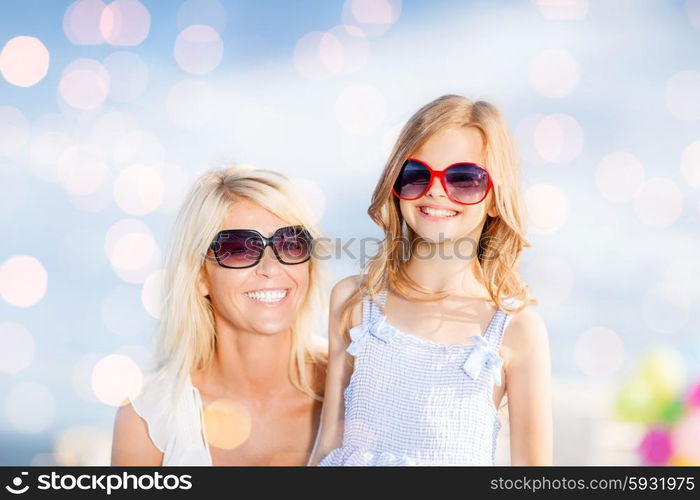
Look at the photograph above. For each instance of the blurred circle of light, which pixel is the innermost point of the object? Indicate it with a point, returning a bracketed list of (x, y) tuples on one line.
[(563, 9), (619, 176), (599, 352), (129, 244), (548, 208), (81, 22), (307, 56), (14, 130), (17, 348), (554, 73), (525, 137), (343, 49), (690, 164), (30, 407), (44, 151), (151, 293), (138, 146), (81, 169), (666, 308), (128, 76), (375, 17), (24, 61), (132, 250), (312, 194), (208, 12), (125, 23), (682, 95), (23, 281), (115, 379), (83, 445), (692, 8), (190, 104), (558, 138), (360, 108), (198, 49), (84, 84), (552, 279), (81, 374), (122, 312), (658, 202), (138, 189), (227, 424)]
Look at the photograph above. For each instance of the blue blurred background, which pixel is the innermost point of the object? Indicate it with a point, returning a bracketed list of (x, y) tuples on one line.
[(109, 111)]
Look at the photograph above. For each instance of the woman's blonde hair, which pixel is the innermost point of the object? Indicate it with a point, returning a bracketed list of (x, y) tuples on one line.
[(186, 337), (502, 238)]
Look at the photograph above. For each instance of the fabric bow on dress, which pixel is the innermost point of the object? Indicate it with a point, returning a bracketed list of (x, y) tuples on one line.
[(376, 326), (482, 355)]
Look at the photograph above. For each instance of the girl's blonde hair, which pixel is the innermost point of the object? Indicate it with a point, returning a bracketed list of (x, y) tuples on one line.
[(186, 337), (502, 238)]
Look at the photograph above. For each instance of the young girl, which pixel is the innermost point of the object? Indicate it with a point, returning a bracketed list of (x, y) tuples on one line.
[(424, 346)]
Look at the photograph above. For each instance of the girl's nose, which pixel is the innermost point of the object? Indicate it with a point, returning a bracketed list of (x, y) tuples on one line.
[(436, 190)]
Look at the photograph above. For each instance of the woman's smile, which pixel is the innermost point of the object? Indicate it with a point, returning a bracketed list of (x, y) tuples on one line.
[(269, 297)]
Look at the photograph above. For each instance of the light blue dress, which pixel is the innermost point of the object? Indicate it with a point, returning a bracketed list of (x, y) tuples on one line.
[(411, 401)]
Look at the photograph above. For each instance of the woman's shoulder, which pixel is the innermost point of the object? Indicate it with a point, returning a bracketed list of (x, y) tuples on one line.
[(154, 405)]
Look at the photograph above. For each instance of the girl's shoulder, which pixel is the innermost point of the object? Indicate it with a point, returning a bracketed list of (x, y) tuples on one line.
[(344, 289), (525, 331)]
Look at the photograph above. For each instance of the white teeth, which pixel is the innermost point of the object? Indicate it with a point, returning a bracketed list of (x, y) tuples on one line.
[(268, 296), (435, 212)]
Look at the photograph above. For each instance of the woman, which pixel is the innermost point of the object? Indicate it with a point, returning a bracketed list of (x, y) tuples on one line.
[(239, 378)]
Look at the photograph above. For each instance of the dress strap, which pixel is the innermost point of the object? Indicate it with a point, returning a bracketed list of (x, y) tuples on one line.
[(373, 308), (497, 326)]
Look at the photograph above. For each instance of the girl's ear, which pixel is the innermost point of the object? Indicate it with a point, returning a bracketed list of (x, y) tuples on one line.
[(492, 212)]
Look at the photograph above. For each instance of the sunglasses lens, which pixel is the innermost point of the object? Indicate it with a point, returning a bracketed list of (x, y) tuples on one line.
[(466, 183), (238, 248), (412, 181), (292, 244)]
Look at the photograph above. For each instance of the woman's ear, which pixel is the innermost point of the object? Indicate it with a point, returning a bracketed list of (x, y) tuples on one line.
[(203, 283)]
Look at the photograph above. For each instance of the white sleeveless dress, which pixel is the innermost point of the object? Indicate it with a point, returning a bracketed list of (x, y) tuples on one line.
[(176, 430), (411, 401)]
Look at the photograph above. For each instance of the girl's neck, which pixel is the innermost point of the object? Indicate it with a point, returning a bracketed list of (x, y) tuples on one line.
[(447, 266)]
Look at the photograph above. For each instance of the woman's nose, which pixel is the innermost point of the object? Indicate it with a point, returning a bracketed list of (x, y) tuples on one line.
[(268, 265)]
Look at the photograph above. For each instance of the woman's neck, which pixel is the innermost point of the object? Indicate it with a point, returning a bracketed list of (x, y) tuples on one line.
[(249, 364)]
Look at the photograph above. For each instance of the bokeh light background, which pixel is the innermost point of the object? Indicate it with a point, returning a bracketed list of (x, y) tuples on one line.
[(110, 109)]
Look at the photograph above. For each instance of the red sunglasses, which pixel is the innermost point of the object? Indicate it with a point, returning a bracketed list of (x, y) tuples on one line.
[(465, 183)]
